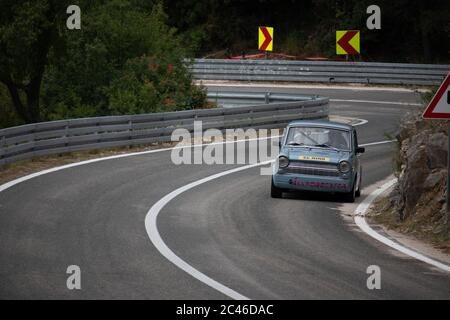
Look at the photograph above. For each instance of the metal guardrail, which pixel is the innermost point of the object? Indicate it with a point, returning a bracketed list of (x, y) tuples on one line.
[(27, 141), (319, 71), (241, 98)]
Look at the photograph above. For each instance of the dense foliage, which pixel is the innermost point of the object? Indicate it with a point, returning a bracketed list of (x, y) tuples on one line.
[(128, 55), (124, 60), (411, 30)]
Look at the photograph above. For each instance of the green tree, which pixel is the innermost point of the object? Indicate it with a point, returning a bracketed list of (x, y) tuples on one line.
[(28, 30), (8, 116), (412, 30), (126, 60)]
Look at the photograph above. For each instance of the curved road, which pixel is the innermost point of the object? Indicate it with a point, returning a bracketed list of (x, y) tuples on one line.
[(230, 229)]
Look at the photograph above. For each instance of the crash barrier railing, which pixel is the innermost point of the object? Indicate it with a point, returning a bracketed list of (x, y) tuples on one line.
[(244, 98), (319, 71), (55, 137)]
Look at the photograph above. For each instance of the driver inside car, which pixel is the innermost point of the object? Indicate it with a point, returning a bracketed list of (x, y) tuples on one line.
[(336, 139)]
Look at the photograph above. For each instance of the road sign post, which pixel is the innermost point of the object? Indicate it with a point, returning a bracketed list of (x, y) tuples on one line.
[(439, 108)]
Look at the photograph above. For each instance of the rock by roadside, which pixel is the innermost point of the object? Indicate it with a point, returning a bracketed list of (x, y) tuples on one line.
[(417, 205)]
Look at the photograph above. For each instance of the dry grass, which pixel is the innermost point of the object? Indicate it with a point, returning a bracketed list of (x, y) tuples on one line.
[(22, 168), (19, 169), (425, 225)]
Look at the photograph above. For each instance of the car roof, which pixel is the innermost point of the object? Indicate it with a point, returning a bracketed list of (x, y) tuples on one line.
[(320, 123)]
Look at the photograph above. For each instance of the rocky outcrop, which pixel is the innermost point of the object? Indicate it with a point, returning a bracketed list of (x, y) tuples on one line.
[(422, 163)]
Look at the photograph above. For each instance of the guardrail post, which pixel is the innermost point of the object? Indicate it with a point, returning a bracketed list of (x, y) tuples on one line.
[(66, 134), (130, 132), (97, 124), (3, 146), (251, 116), (34, 139), (267, 98)]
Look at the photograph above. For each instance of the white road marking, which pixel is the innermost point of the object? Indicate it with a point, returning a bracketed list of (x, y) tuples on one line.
[(377, 143), (153, 233), (360, 221), (379, 102), (158, 242), (76, 164), (151, 217), (359, 122)]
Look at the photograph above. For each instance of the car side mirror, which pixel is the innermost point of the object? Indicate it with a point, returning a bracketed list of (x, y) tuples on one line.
[(360, 150)]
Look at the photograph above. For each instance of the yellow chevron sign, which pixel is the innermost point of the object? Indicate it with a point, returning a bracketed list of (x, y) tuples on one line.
[(265, 38), (347, 42)]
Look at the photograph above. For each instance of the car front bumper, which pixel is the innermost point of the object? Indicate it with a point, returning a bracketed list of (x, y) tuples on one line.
[(290, 181)]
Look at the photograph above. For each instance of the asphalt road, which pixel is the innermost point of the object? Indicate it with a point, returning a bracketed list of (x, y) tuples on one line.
[(230, 229)]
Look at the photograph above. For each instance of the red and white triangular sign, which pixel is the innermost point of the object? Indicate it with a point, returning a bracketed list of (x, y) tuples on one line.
[(439, 106)]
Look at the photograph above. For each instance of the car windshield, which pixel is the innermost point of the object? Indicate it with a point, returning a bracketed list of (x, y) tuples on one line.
[(319, 137)]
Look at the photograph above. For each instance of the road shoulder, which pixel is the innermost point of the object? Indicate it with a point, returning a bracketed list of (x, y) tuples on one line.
[(350, 212)]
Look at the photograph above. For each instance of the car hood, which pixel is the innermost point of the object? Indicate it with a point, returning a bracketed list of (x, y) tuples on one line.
[(316, 155)]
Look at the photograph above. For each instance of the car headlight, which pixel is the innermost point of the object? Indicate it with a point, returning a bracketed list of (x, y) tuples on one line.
[(344, 166), (283, 162)]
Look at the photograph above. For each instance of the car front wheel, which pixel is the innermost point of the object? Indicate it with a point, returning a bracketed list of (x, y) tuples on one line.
[(350, 196), (275, 192), (358, 192)]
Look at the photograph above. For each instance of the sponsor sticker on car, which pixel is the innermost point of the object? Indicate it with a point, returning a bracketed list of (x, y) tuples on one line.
[(314, 158), (317, 184)]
